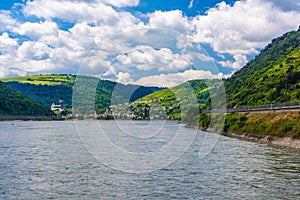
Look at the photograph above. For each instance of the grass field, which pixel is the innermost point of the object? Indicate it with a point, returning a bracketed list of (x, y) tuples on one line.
[(43, 79)]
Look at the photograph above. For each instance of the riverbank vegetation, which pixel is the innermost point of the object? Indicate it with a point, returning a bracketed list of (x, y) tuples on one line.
[(283, 124), (278, 124)]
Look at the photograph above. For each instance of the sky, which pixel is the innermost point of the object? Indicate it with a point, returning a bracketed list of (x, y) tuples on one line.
[(147, 42)]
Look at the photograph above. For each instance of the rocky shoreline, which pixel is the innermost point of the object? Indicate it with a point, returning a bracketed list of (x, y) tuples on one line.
[(281, 142)]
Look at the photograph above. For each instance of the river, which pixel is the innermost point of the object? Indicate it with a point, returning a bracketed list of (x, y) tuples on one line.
[(61, 160)]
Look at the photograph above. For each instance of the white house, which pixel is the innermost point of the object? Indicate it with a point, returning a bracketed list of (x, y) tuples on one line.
[(59, 106)]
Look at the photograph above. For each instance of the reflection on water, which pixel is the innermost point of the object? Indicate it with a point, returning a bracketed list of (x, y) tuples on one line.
[(46, 160)]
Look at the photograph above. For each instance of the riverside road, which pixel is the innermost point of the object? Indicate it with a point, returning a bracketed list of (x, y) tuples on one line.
[(283, 107)]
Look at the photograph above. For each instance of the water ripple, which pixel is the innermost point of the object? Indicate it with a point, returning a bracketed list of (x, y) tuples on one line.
[(51, 163)]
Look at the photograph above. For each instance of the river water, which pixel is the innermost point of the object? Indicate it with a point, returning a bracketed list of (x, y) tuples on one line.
[(56, 160)]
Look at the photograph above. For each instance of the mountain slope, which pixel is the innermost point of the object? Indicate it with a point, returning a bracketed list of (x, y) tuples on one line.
[(272, 77), (202, 89), (15, 103)]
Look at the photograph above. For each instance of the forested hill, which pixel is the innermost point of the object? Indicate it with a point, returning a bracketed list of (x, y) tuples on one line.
[(16, 103), (48, 89), (272, 77)]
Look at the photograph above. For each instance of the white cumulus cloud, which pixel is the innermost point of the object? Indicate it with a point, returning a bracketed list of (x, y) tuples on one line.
[(8, 54), (34, 51), (243, 27), (124, 78), (174, 20), (77, 11), (7, 44), (6, 21), (240, 61), (170, 80), (37, 30), (147, 58)]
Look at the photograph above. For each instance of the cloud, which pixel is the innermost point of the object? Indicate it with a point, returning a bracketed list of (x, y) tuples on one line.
[(78, 11), (105, 29), (7, 44), (8, 53), (244, 27), (147, 58), (3, 70), (170, 80), (124, 78), (287, 5), (38, 56), (116, 3), (240, 61), (121, 3), (34, 51), (191, 4), (37, 30), (27, 58), (8, 56), (174, 20), (199, 56), (6, 21)]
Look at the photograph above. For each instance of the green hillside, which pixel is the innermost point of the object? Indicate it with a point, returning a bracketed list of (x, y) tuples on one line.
[(180, 98), (48, 89), (202, 89), (272, 77), (16, 103)]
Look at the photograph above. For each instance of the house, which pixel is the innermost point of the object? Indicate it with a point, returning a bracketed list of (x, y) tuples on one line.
[(59, 107)]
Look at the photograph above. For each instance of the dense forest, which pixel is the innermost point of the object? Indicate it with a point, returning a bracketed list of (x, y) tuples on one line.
[(45, 94), (16, 103)]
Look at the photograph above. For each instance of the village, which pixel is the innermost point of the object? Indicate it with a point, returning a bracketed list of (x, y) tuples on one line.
[(137, 110)]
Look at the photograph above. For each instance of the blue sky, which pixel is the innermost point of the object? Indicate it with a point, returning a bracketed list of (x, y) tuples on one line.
[(146, 42), (190, 8)]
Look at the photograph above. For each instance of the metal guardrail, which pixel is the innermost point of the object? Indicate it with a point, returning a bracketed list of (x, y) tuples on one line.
[(280, 106)]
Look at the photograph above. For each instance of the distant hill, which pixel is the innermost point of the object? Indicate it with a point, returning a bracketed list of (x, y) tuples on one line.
[(272, 77), (16, 103), (48, 89)]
